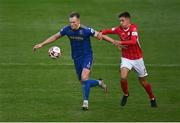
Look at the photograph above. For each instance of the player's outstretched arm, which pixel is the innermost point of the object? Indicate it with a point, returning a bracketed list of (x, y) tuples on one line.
[(47, 41), (100, 36), (116, 43), (108, 39)]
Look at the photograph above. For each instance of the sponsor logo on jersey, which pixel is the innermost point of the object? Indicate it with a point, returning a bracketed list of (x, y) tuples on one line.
[(81, 32), (76, 38)]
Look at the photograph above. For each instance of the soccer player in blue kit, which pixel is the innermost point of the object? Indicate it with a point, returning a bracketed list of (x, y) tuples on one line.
[(81, 51)]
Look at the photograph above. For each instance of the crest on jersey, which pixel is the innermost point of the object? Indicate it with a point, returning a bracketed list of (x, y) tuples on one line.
[(81, 32)]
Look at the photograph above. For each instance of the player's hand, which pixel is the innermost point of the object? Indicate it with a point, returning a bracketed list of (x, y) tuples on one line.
[(37, 46), (115, 42), (99, 36), (118, 45)]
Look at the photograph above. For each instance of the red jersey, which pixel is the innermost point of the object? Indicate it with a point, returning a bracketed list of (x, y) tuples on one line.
[(129, 38)]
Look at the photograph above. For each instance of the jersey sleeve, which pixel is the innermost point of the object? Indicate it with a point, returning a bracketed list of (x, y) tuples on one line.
[(109, 31), (134, 32), (91, 31), (63, 31)]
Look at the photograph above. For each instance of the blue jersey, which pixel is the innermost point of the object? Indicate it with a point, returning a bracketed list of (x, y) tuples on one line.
[(80, 40)]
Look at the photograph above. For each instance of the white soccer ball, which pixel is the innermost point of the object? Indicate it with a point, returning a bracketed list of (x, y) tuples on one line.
[(54, 52)]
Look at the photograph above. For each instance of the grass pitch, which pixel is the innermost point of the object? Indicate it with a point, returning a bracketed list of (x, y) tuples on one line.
[(34, 87)]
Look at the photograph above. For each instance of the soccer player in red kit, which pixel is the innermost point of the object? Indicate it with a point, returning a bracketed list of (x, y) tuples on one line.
[(132, 57)]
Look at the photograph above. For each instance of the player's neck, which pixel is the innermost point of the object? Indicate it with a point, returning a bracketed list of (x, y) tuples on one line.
[(78, 27), (127, 27)]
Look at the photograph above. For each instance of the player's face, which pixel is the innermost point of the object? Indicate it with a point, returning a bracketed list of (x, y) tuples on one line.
[(124, 22), (74, 22)]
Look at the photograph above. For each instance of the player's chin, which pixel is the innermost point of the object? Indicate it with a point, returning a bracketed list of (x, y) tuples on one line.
[(122, 26)]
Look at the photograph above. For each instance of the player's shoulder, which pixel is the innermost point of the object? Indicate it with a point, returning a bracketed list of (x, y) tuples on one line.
[(65, 27), (115, 28), (87, 29), (133, 26), (83, 27), (64, 30)]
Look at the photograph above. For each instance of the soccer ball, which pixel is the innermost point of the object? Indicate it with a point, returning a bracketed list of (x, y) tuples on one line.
[(54, 52)]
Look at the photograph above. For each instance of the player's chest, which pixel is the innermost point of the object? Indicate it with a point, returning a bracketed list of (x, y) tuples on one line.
[(78, 35), (81, 33), (125, 35)]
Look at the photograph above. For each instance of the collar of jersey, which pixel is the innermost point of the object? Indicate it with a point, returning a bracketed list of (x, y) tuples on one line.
[(127, 28)]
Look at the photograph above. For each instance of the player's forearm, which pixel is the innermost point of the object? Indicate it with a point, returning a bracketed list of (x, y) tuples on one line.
[(50, 39), (47, 41), (108, 39)]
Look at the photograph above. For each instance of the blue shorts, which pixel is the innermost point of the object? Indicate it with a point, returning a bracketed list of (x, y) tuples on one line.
[(81, 63)]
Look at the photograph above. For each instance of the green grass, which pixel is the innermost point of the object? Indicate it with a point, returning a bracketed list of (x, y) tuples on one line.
[(34, 87)]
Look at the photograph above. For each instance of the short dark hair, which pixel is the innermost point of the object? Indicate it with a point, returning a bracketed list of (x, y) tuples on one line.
[(74, 14), (124, 14)]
